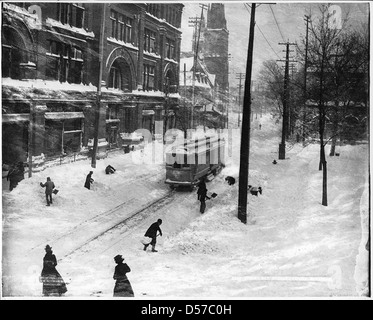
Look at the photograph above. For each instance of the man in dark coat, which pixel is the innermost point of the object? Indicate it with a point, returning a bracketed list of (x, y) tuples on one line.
[(201, 188), (53, 284), (88, 180), (202, 198), (122, 287), (15, 175), (49, 186), (152, 233)]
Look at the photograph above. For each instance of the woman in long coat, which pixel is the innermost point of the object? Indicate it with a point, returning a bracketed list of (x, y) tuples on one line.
[(122, 287), (53, 284)]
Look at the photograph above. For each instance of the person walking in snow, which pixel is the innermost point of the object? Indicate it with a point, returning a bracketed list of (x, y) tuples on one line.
[(53, 284), (202, 198), (88, 180), (122, 286), (49, 186), (152, 233), (201, 188)]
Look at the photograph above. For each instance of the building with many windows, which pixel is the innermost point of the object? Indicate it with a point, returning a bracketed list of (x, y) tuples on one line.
[(69, 66)]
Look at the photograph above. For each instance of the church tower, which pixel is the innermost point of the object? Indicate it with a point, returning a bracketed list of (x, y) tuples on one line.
[(215, 45)]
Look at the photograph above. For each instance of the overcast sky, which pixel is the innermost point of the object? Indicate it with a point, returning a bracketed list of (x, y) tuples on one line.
[(275, 23)]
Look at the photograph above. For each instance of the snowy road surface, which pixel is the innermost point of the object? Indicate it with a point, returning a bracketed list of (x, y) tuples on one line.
[(291, 245)]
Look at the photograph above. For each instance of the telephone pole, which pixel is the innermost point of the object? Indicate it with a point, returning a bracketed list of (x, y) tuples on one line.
[(98, 97), (197, 24), (245, 131), (239, 76), (285, 111), (193, 22), (307, 19)]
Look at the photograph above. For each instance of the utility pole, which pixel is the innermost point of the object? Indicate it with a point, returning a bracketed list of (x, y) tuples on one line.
[(98, 97), (245, 131), (239, 76), (307, 19), (285, 111), (195, 22)]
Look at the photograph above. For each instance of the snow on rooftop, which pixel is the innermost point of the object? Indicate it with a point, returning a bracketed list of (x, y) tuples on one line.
[(54, 23)]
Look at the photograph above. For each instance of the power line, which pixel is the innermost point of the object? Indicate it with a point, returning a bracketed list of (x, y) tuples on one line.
[(265, 38), (274, 16), (267, 41)]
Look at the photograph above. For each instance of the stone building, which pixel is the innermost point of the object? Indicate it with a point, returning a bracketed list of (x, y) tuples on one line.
[(53, 55)]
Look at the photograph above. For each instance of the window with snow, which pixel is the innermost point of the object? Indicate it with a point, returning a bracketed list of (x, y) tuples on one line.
[(150, 41), (170, 48), (121, 27), (148, 83), (64, 62), (154, 9), (71, 13)]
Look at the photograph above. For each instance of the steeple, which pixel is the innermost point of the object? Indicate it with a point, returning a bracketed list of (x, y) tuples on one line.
[(215, 45), (216, 16)]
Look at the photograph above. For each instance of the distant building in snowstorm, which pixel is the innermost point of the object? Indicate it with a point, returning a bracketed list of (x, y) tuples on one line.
[(215, 46), (211, 84)]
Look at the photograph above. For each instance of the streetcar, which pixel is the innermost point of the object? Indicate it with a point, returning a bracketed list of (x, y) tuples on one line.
[(188, 162)]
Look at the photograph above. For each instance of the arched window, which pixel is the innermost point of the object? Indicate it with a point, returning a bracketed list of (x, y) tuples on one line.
[(120, 76), (13, 53)]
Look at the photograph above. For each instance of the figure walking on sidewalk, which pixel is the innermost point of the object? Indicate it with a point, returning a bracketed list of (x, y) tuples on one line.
[(152, 233), (122, 287), (202, 196)]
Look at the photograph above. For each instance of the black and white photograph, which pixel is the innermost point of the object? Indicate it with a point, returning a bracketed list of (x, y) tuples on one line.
[(185, 150)]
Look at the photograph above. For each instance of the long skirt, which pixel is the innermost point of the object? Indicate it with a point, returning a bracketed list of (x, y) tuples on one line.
[(53, 284), (123, 288)]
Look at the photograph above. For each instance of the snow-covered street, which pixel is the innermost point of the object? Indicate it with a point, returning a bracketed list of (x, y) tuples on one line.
[(292, 246)]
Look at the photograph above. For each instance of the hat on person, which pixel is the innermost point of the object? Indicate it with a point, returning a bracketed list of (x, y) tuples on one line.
[(48, 247), (118, 258)]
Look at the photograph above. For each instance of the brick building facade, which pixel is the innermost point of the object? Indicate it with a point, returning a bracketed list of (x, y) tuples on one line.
[(53, 55)]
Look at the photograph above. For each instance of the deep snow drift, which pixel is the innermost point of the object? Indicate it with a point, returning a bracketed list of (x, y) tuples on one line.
[(292, 246)]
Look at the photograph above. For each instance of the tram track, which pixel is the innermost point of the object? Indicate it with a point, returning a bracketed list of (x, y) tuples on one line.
[(99, 217), (138, 214)]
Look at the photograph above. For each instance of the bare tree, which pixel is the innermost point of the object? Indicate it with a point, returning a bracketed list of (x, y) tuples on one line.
[(272, 76), (334, 64)]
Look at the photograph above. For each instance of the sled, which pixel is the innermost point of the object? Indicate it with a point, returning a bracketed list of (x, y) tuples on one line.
[(213, 195), (55, 191), (145, 240)]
